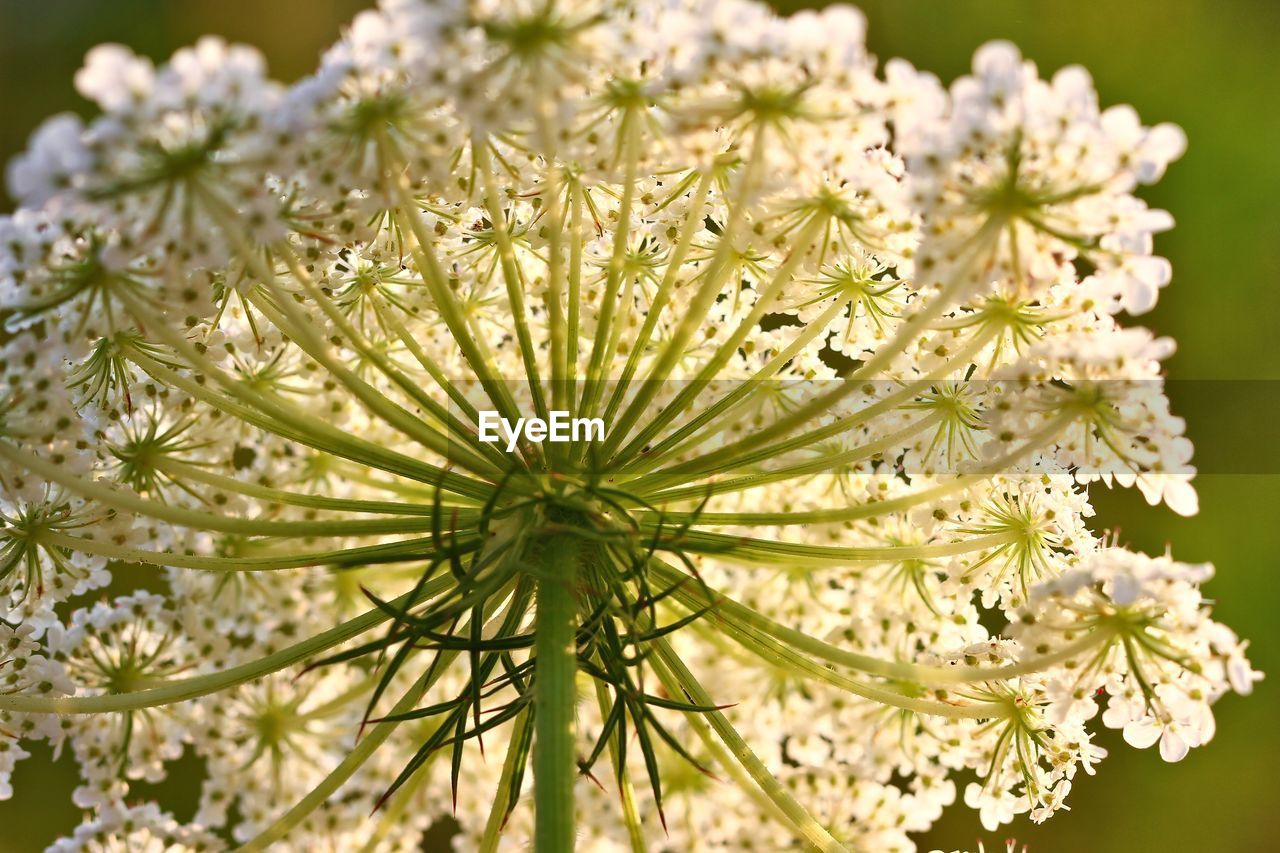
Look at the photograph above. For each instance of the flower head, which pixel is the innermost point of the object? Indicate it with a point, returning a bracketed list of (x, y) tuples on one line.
[(855, 351)]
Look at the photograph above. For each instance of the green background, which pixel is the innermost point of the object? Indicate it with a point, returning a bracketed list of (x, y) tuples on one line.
[(1209, 66)]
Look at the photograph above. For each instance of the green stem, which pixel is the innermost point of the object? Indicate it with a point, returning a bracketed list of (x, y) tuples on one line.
[(429, 266), (510, 276), (428, 364), (354, 760), (555, 766), (297, 326), (672, 672), (674, 347), (128, 501), (601, 351), (736, 619), (787, 659), (273, 414), (546, 123), (873, 509), (291, 323), (736, 455), (762, 552), (383, 552), (693, 222), (502, 797), (576, 249), (457, 430), (393, 816), (874, 366), (270, 494), (202, 685), (630, 814), (819, 464), (796, 255), (686, 436)]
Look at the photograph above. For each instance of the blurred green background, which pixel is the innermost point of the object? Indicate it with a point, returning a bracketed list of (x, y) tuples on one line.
[(1208, 65)]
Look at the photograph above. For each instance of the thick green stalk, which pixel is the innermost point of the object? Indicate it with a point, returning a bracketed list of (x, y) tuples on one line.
[(555, 765)]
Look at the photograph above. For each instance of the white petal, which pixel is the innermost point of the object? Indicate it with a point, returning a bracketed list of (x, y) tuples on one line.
[(1142, 734), (1173, 747)]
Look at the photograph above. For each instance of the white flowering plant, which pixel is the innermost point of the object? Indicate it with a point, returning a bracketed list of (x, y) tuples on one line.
[(853, 342)]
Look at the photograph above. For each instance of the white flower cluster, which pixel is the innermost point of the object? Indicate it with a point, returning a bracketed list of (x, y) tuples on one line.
[(856, 340), (140, 828)]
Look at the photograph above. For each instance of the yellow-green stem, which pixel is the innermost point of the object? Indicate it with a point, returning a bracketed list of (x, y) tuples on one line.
[(555, 764)]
